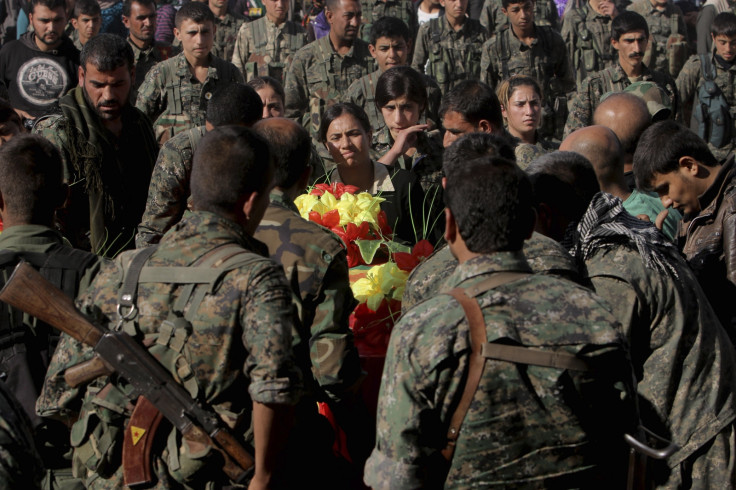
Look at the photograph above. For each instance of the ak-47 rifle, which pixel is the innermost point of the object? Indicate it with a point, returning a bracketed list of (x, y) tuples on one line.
[(115, 351)]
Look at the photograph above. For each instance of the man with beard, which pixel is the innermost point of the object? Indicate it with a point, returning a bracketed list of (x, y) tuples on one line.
[(630, 34), (39, 67), (108, 148), (139, 16)]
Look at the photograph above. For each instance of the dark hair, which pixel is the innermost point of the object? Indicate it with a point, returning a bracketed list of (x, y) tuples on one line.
[(475, 145), (401, 81), (258, 83), (128, 5), (491, 200), (7, 113), (628, 21), (564, 180), (237, 153), (724, 25), (339, 109), (50, 4), (234, 103), (290, 148), (505, 3), (660, 148), (475, 101), (86, 7), (197, 12), (390, 27), (507, 87), (107, 52), (31, 178)]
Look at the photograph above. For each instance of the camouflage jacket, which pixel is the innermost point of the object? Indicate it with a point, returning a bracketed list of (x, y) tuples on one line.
[(316, 267), (169, 189), (520, 428), (174, 100), (667, 50), (527, 153), (372, 10), (544, 255), (612, 79), (362, 92), (108, 175), (145, 59), (426, 162), (74, 36), (707, 241), (226, 35), (495, 21), (688, 84), (265, 49), (587, 35), (447, 55), (238, 351), (318, 77), (682, 357)]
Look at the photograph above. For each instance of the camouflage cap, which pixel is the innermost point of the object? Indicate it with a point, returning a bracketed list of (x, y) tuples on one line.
[(658, 102)]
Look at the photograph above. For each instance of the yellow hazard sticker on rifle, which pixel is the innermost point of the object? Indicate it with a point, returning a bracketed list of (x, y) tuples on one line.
[(136, 433)]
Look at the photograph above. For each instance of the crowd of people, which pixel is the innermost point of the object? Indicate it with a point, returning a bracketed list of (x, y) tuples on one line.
[(570, 162)]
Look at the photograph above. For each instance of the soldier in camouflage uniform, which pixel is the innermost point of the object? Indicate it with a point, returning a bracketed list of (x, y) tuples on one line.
[(448, 48), (529, 49), (139, 17), (493, 19), (266, 46), (321, 71), (667, 50), (630, 34), (175, 92), (429, 351), (168, 193), (390, 46), (372, 10), (234, 354), (683, 359), (691, 81), (20, 464), (587, 34), (227, 27)]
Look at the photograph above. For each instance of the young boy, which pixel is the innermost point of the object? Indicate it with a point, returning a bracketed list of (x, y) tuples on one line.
[(87, 22)]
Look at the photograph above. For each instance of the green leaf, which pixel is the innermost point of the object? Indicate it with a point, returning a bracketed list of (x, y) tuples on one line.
[(368, 249), (397, 247)]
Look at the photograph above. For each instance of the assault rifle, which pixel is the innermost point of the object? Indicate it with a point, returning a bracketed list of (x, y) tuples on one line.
[(115, 351)]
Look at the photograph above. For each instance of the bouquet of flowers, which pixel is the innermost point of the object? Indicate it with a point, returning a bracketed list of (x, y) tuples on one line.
[(356, 218)]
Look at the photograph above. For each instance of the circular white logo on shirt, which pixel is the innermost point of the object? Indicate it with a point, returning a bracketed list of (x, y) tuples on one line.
[(41, 81)]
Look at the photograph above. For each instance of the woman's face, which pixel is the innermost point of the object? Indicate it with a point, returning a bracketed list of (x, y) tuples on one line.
[(399, 114), (348, 142), (273, 106), (524, 111)]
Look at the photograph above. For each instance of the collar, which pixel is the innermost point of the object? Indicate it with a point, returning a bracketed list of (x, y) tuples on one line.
[(182, 67), (272, 25), (515, 43), (381, 179), (618, 74), (448, 27), (30, 238), (279, 198), (326, 44), (486, 264), (711, 198)]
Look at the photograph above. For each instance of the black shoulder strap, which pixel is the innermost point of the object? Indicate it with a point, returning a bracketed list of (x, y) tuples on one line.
[(707, 69)]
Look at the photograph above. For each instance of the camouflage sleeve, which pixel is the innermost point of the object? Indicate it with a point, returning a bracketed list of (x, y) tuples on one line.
[(687, 83), (486, 18), (150, 94), (581, 108), (295, 87), (167, 193), (421, 50), (48, 127), (670, 86), (335, 362), (487, 70), (242, 48), (267, 317), (568, 36), (427, 278), (355, 94), (434, 99), (563, 70), (729, 232), (57, 399)]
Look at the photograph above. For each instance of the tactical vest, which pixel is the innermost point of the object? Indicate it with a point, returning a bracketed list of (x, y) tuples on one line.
[(667, 50), (27, 344), (451, 65), (97, 437), (372, 11), (255, 66), (590, 56), (711, 117)]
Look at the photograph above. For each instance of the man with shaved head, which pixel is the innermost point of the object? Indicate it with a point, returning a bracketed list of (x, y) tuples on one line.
[(317, 269), (602, 148)]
